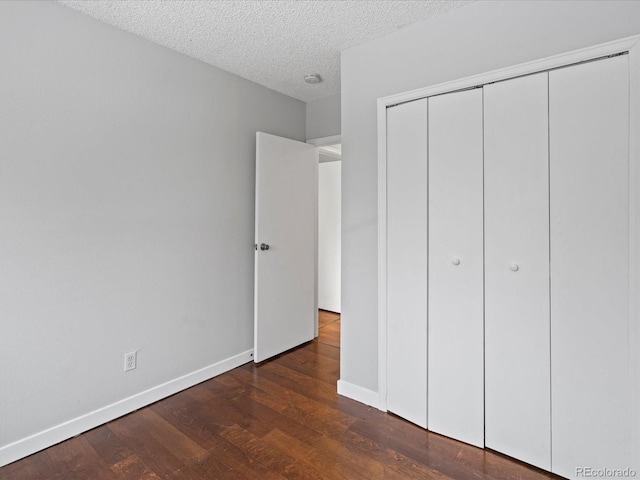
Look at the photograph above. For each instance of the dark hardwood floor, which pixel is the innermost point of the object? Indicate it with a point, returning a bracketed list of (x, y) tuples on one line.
[(281, 419), (329, 328)]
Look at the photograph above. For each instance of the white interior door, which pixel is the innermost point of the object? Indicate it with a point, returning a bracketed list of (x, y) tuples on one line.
[(589, 128), (407, 261), (286, 245), (456, 262), (517, 330)]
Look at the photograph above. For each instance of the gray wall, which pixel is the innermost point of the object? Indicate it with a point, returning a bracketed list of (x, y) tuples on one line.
[(126, 213), (323, 117), (476, 38)]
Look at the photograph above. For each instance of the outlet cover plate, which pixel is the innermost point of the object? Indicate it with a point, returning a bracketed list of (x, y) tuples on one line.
[(130, 361)]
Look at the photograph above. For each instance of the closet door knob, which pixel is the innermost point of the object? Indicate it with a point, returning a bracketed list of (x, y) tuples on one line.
[(514, 267), (455, 261)]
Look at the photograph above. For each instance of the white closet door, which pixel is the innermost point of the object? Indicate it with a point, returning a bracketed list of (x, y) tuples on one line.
[(517, 350), (407, 261), (589, 138), (455, 300)]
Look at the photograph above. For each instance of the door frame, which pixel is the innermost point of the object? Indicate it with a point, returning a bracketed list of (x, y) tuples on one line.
[(320, 142), (629, 45)]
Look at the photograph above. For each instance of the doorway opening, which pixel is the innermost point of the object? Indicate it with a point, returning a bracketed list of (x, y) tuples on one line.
[(329, 238)]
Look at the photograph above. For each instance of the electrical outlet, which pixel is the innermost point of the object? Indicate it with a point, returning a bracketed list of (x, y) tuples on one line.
[(130, 361)]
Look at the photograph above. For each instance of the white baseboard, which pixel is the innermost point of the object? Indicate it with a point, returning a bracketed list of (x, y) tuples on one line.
[(359, 394), (41, 440)]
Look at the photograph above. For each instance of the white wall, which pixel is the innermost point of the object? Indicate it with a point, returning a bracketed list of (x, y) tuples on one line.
[(480, 37), (126, 218), (323, 117), (323, 120), (329, 203)]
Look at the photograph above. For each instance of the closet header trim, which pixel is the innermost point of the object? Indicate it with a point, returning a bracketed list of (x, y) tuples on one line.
[(604, 57)]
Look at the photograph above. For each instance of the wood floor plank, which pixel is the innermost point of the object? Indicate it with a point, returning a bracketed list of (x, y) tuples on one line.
[(308, 363), (444, 454), (308, 355), (272, 408), (271, 417), (303, 382), (83, 461), (264, 408), (408, 439), (326, 317), (107, 445), (133, 467), (270, 456), (185, 448), (331, 334), (72, 459), (224, 413), (34, 467), (496, 466), (224, 387), (315, 414), (313, 421), (190, 418), (180, 445), (327, 462), (324, 350), (134, 433), (293, 385), (343, 447)]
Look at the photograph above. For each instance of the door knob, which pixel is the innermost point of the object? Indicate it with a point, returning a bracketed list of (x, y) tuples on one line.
[(264, 246), (514, 267), (455, 261)]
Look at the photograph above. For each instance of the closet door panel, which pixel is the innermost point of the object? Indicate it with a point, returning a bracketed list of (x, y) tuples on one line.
[(589, 138), (407, 261), (517, 345), (455, 305)]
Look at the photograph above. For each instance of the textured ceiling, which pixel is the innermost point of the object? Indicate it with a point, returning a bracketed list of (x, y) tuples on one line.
[(273, 43)]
